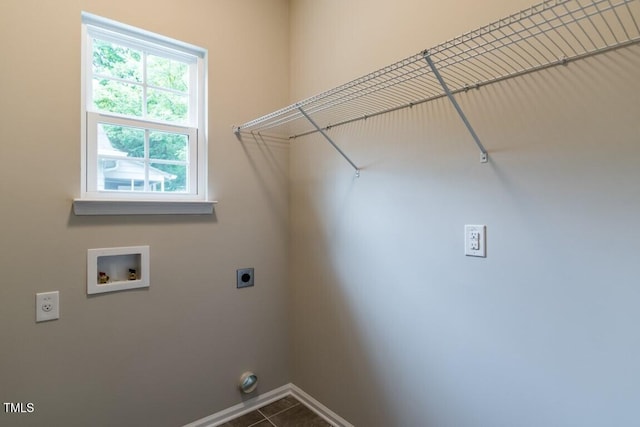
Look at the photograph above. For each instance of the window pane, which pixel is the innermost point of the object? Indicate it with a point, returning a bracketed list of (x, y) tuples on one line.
[(141, 114), (120, 141), (113, 60), (121, 175), (167, 73), (167, 106), (168, 178), (116, 97), (168, 146)]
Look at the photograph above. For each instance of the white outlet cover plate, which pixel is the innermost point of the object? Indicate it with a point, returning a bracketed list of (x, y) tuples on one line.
[(47, 306), (475, 234)]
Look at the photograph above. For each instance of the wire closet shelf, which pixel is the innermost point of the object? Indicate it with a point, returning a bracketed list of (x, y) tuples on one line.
[(551, 33)]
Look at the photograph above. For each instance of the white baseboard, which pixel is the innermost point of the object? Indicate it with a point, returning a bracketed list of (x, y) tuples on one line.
[(269, 397), (242, 408)]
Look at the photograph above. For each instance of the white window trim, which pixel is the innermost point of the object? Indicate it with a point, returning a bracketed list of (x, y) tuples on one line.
[(93, 202)]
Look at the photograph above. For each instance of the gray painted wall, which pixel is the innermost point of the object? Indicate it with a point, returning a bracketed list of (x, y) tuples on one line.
[(173, 353), (364, 298), (392, 324)]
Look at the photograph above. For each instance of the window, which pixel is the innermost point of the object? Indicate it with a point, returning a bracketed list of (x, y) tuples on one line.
[(144, 110)]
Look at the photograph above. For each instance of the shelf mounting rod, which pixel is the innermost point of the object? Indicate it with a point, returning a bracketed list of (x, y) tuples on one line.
[(324, 134), (484, 156)]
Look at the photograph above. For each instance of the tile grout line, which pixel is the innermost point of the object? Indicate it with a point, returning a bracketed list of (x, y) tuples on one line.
[(265, 418), (278, 413)]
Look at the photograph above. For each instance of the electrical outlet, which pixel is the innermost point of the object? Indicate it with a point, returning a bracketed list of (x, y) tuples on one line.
[(47, 306), (475, 240)]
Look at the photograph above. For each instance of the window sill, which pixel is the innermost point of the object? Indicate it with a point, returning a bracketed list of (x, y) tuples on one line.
[(141, 207)]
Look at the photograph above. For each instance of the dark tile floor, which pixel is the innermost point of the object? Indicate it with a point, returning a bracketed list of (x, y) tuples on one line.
[(286, 412)]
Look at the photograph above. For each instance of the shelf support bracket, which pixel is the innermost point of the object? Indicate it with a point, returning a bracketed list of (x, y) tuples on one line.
[(484, 156), (324, 134)]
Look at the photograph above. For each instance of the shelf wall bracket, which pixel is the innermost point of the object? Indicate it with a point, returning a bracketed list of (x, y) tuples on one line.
[(324, 134), (484, 156)]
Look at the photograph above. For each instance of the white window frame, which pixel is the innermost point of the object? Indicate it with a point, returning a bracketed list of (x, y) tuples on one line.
[(94, 201)]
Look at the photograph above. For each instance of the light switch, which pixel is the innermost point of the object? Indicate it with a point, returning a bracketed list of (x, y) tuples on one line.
[(475, 240)]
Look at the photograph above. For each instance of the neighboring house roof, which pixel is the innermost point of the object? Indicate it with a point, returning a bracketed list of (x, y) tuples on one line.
[(134, 169), (128, 168), (105, 147)]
